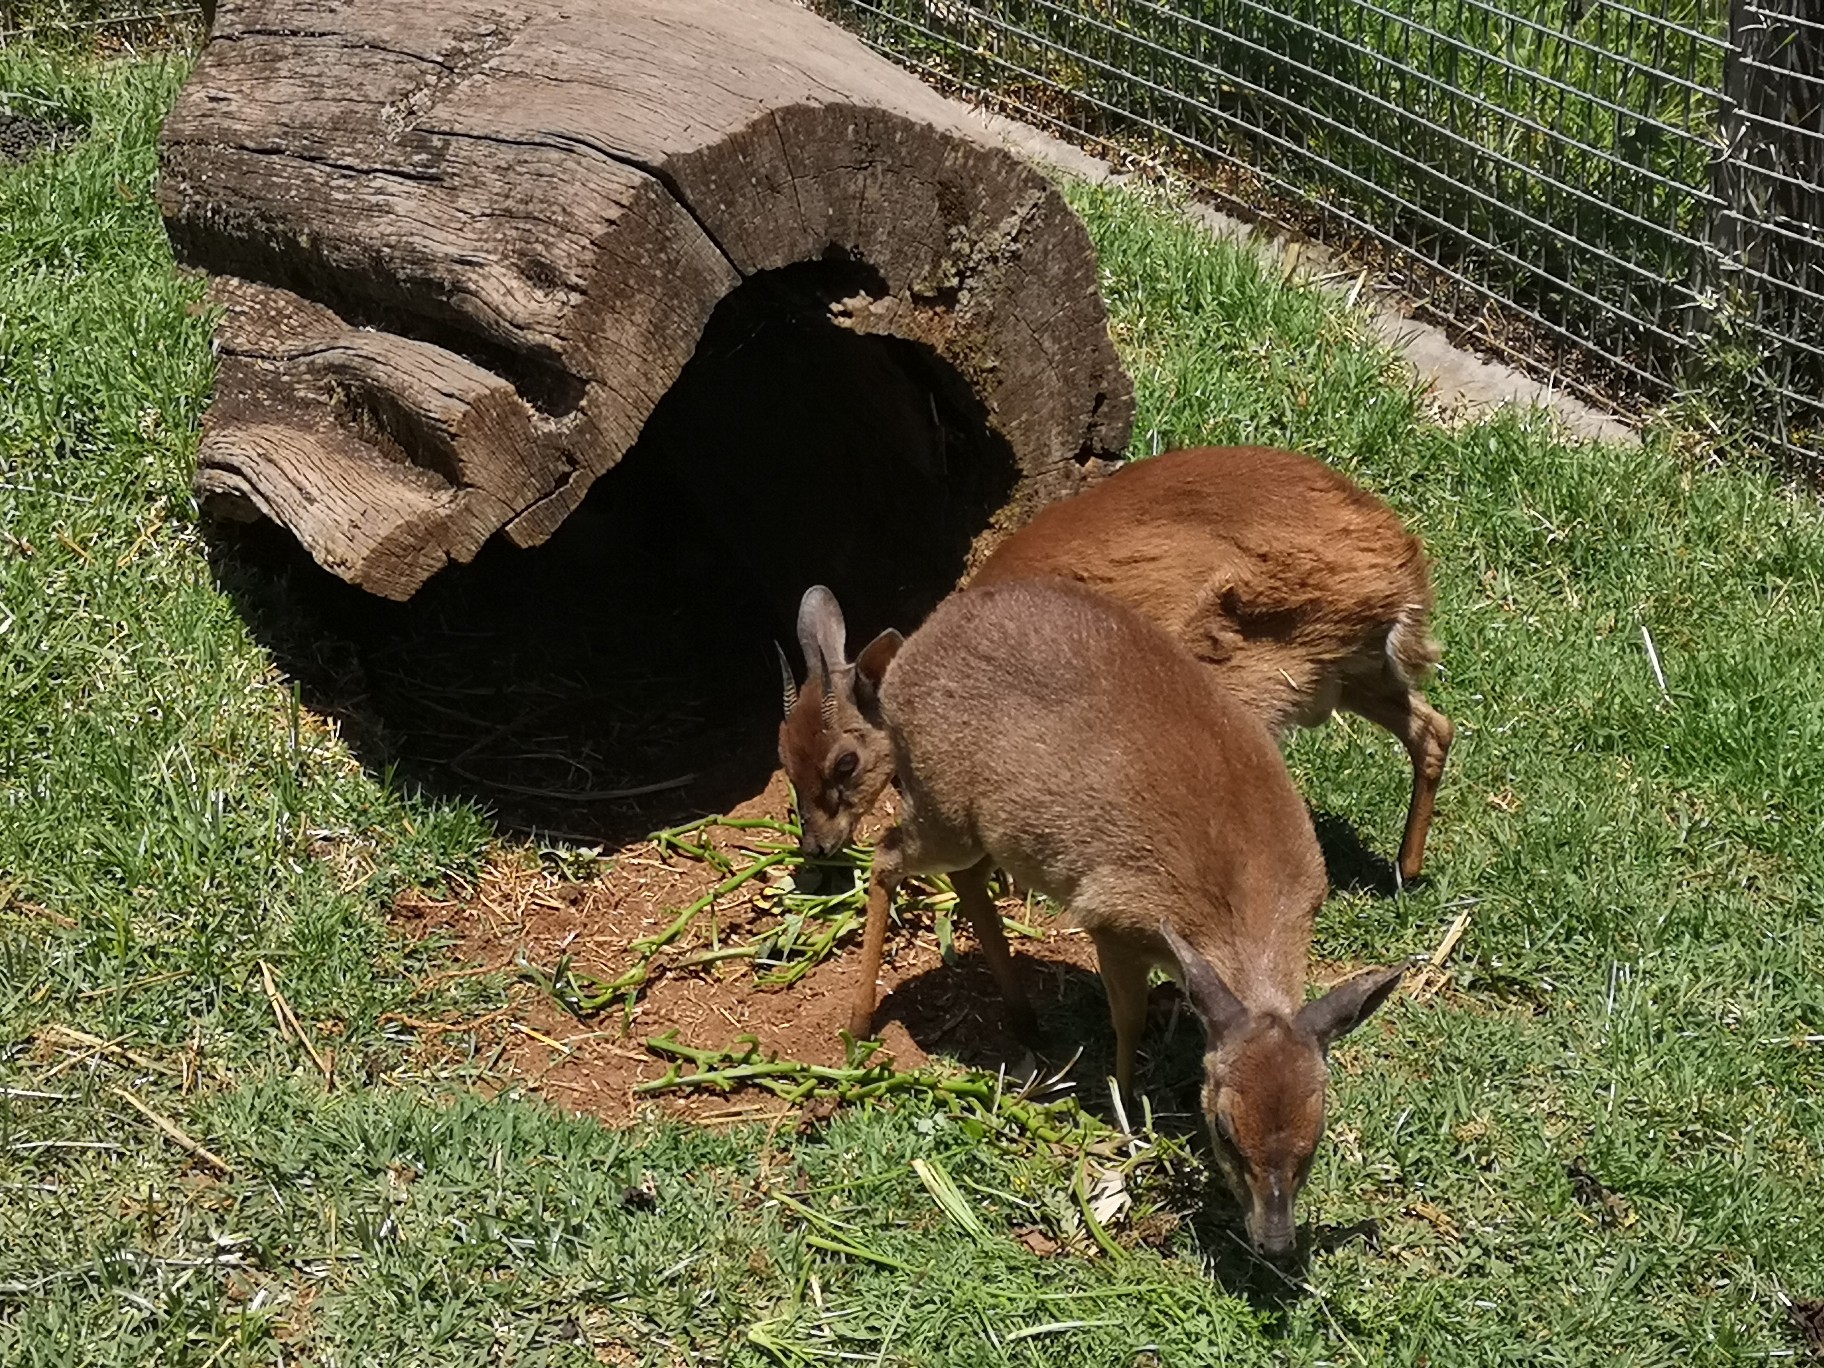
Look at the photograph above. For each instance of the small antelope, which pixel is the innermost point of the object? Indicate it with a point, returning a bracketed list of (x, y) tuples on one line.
[(1053, 732), (1301, 591)]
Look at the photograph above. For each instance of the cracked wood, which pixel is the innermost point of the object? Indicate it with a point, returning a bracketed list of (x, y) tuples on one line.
[(463, 250)]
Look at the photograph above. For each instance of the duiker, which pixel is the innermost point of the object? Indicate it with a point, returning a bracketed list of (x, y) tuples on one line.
[(1301, 591), (1048, 730), (1298, 590)]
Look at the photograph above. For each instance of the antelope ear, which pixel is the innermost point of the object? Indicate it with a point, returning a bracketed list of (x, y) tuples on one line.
[(785, 677), (821, 634), (1220, 1009), (1348, 1005), (871, 667)]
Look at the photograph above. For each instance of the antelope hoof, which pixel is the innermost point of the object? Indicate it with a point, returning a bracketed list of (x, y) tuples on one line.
[(1410, 868)]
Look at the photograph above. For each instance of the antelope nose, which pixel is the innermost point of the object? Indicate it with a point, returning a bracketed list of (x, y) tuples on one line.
[(1277, 1243), (1274, 1232)]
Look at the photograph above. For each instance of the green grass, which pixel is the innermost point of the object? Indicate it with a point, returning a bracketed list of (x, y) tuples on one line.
[(1633, 995)]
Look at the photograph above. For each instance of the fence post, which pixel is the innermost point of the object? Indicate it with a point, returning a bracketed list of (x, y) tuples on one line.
[(1767, 232)]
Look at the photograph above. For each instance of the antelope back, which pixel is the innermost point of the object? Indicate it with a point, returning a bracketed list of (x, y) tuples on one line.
[(1078, 744), (1262, 562)]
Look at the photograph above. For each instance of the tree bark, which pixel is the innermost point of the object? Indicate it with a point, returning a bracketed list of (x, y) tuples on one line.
[(463, 250)]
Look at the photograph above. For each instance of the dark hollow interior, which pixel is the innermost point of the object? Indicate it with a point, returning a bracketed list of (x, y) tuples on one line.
[(635, 648)]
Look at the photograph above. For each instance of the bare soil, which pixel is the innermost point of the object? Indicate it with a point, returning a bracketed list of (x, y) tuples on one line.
[(927, 1009), (524, 911)]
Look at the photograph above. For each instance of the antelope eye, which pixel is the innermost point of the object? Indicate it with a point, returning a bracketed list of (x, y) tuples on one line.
[(844, 769)]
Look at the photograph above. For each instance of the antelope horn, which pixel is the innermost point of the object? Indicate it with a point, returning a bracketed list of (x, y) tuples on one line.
[(829, 700), (785, 676)]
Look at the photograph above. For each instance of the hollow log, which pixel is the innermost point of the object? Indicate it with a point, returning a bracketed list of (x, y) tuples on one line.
[(463, 251)]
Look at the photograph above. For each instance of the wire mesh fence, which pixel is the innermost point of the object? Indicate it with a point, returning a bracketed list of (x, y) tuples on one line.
[(111, 22), (1627, 197)]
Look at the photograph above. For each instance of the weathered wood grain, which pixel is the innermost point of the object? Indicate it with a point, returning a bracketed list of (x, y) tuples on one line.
[(465, 249)]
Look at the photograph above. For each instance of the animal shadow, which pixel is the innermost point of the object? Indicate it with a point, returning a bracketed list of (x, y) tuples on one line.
[(955, 1010), (1352, 867), (1269, 1285)]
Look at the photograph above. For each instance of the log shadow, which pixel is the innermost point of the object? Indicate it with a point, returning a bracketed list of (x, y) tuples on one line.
[(532, 684), (622, 677)]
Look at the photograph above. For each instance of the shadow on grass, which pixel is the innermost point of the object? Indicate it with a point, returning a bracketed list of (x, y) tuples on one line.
[(1352, 866), (1267, 1285), (1214, 1220), (955, 1010)]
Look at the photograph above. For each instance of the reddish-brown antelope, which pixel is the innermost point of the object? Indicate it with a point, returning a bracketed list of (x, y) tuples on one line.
[(1059, 735), (1301, 591)]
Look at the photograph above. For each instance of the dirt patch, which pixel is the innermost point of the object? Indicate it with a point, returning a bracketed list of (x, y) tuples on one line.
[(933, 1007), (929, 1009), (23, 136)]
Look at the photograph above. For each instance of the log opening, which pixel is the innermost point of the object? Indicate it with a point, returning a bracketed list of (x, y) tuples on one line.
[(597, 329), (635, 646)]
